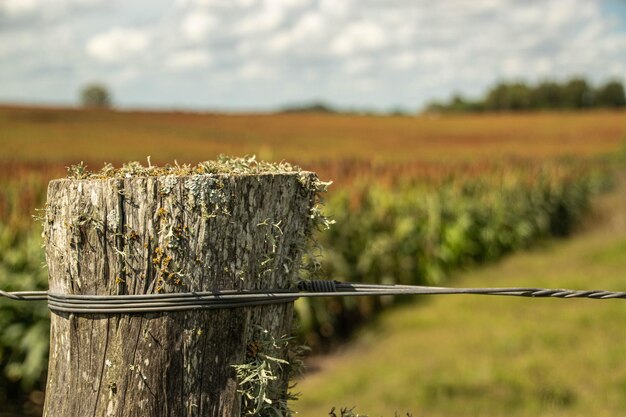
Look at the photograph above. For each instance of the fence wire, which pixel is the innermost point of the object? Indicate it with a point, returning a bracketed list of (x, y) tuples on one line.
[(168, 302)]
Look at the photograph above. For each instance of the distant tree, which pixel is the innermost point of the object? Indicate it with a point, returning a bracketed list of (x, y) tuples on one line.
[(577, 94), (547, 95), (509, 96), (313, 107), (435, 107), (398, 111), (95, 95), (458, 103), (611, 95)]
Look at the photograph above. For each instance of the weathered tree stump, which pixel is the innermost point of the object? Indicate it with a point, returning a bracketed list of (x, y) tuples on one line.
[(146, 233)]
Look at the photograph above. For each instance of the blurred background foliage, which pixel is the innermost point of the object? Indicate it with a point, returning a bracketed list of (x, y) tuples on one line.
[(574, 94), (25, 331), (420, 230), (435, 195)]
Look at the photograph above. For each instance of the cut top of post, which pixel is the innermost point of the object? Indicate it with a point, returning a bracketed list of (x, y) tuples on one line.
[(222, 165), (145, 229)]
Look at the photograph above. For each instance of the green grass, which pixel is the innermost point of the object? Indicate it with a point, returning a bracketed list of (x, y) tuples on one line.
[(496, 356)]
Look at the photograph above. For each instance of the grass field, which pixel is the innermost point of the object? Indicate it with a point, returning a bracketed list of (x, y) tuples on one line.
[(442, 357), (488, 356)]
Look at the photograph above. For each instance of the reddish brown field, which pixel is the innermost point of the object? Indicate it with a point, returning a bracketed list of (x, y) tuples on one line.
[(65, 135)]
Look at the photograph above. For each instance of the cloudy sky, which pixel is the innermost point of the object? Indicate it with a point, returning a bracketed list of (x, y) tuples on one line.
[(262, 54)]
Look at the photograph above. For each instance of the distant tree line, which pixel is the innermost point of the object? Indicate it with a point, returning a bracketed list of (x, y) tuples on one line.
[(574, 94), (312, 107), (321, 107)]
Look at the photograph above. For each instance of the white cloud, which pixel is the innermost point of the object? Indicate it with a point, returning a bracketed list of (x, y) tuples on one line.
[(42, 8), (335, 7), (216, 3), (286, 3), (255, 71), (304, 31), (403, 60), (266, 19), (310, 24), (197, 25), (281, 42), (358, 66), (435, 56), (359, 37), (117, 44), (186, 60), (14, 8)]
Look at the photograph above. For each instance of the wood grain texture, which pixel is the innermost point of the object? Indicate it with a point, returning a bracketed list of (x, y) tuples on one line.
[(141, 235)]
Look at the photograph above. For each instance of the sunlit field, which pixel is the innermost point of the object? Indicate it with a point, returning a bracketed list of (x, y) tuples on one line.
[(417, 199), (496, 356), (53, 135)]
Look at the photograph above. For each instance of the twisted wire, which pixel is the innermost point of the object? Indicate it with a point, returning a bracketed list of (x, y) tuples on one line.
[(25, 295), (318, 286), (157, 303)]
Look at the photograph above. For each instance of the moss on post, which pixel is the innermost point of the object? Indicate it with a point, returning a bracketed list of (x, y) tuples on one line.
[(226, 224)]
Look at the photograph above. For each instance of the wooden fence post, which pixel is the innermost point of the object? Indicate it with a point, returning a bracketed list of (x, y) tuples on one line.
[(139, 234)]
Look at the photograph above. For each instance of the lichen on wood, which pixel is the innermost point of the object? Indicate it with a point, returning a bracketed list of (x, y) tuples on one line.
[(234, 223), (222, 165)]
